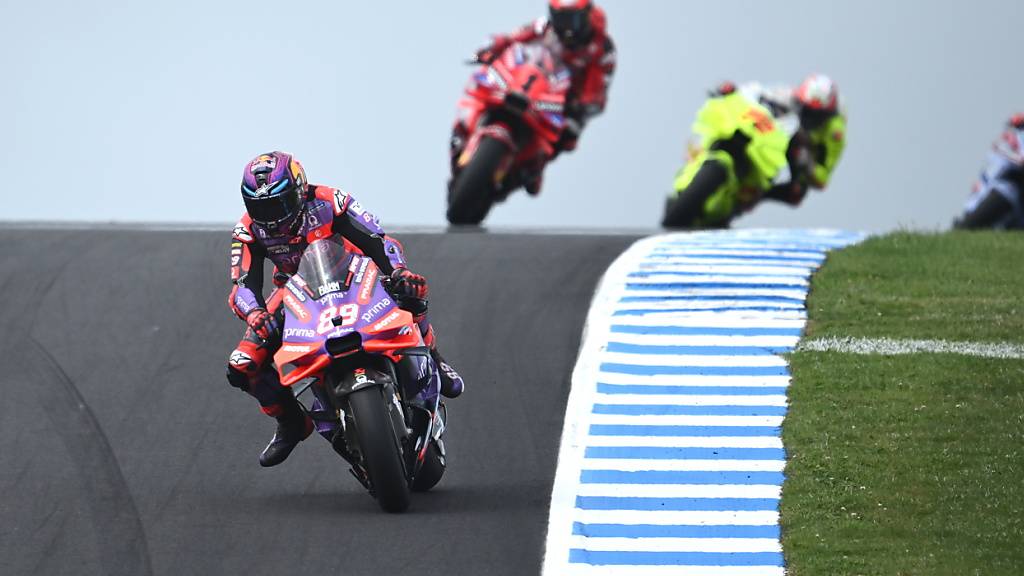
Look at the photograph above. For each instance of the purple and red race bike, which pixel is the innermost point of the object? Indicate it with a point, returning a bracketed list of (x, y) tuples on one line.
[(346, 339)]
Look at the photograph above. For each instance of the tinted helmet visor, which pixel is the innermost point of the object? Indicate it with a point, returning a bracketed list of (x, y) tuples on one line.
[(272, 206), (572, 26)]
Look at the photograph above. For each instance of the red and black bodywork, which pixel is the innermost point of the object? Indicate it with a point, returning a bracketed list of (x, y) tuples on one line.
[(510, 119)]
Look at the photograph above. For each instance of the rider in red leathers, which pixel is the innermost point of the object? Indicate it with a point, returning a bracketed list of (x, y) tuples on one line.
[(576, 31), (283, 215)]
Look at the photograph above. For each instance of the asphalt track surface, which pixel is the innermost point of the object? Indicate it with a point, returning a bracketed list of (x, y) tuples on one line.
[(124, 451)]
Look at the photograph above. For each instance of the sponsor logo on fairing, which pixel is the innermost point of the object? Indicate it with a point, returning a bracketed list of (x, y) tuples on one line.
[(298, 348), (388, 320), (366, 289), (330, 287), (376, 309), (296, 308), (298, 293), (299, 333), (362, 270)]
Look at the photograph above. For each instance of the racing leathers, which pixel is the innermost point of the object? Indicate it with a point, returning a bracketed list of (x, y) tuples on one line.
[(817, 149), (591, 66), (327, 212)]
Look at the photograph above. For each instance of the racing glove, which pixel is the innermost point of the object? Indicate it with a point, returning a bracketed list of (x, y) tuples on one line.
[(262, 323), (408, 284), (489, 53)]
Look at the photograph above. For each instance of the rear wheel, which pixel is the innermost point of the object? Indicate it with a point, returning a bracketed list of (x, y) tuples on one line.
[(380, 449), (687, 208), (473, 190)]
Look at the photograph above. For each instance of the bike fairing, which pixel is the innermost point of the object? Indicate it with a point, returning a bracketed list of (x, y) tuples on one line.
[(764, 144), (348, 334), (1003, 176), (770, 154), (510, 122)]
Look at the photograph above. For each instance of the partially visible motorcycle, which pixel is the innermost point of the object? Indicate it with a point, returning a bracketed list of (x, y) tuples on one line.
[(997, 199), (509, 120), (374, 383), (744, 154)]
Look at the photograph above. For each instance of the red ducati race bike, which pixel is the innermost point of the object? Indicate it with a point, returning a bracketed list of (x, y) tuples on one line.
[(374, 383), (509, 121)]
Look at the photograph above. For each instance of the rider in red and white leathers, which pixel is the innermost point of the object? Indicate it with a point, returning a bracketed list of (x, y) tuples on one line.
[(576, 31)]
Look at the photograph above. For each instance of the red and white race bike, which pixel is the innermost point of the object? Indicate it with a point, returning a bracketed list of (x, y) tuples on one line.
[(509, 121)]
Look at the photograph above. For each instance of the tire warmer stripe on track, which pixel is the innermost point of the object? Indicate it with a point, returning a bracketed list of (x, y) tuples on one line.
[(671, 456)]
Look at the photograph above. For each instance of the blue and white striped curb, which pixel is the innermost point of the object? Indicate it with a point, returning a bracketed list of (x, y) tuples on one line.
[(671, 458)]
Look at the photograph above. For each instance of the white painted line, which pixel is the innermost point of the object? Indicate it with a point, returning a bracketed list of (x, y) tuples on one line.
[(703, 340), (673, 420), (888, 346), (684, 250), (700, 305), (672, 517), (794, 294), (712, 320), (754, 316), (636, 465), (692, 360), (752, 269), (691, 400), (677, 544), (688, 441), (674, 278), (673, 380), (682, 490)]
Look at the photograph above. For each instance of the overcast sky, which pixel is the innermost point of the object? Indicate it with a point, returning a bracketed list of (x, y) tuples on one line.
[(147, 111)]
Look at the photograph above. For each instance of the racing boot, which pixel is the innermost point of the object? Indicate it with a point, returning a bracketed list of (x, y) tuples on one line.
[(451, 383), (293, 426), (533, 179)]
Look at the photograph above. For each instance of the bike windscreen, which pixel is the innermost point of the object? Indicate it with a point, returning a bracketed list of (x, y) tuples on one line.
[(325, 266), (539, 55)]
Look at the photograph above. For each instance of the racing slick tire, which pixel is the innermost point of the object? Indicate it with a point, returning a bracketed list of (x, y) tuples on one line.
[(380, 449), (686, 210), (473, 190)]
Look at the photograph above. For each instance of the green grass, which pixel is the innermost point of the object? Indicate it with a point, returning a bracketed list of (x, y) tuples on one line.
[(956, 286), (910, 464)]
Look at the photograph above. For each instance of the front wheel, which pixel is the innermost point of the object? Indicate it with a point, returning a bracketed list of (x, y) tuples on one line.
[(988, 213), (473, 190), (687, 209), (380, 449)]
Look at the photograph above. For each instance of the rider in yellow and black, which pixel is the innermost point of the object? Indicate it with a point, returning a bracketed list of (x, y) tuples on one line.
[(757, 143)]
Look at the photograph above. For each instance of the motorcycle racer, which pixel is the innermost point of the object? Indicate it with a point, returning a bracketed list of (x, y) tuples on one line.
[(817, 108), (283, 215), (575, 31), (997, 199)]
